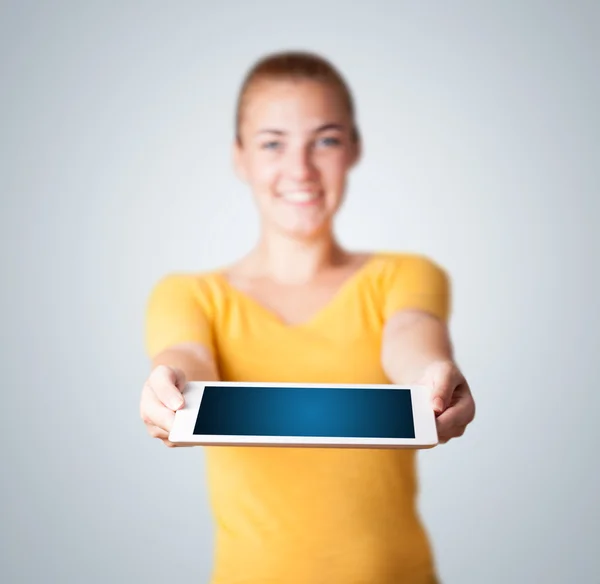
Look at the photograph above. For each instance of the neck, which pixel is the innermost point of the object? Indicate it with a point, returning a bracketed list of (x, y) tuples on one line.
[(293, 261)]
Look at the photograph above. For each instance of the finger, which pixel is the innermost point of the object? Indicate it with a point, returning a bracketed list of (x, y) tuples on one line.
[(155, 413), (159, 433), (163, 436), (453, 422), (446, 433), (445, 377), (163, 382), (170, 444), (179, 378), (458, 414), (443, 431)]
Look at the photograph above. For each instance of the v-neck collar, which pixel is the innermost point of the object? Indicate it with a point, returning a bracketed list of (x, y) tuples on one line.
[(345, 287)]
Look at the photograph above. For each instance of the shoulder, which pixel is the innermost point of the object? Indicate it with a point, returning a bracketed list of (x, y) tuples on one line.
[(185, 288), (404, 280), (180, 283), (180, 309), (406, 265)]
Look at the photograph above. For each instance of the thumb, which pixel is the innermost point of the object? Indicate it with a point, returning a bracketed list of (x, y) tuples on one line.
[(438, 402), (178, 378), (439, 378)]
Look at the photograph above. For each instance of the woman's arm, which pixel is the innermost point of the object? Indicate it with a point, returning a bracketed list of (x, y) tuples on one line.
[(180, 344), (412, 340), (417, 350), (194, 360), (162, 393)]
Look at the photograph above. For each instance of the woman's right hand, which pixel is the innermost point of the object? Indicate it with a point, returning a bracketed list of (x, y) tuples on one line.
[(161, 398)]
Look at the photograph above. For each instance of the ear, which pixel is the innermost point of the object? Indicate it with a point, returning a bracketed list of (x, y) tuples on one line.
[(238, 161)]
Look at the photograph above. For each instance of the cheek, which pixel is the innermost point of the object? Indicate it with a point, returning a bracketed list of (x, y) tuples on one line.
[(262, 173), (333, 171)]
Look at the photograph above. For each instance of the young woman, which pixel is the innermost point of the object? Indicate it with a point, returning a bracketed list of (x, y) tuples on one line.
[(300, 308)]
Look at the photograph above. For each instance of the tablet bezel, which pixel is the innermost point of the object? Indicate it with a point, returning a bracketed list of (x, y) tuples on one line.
[(182, 431)]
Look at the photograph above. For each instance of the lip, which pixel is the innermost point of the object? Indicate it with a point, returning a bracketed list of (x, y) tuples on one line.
[(312, 197)]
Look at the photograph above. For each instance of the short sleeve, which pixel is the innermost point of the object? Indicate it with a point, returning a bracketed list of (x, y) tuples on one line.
[(416, 282), (178, 311)]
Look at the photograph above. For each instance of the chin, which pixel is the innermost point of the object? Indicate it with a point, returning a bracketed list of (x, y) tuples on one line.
[(304, 230), (303, 220)]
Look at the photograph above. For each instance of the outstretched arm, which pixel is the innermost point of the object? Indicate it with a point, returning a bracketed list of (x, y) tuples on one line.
[(417, 350), (180, 344), (194, 360)]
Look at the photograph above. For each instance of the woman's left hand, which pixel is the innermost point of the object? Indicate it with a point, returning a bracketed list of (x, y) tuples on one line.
[(452, 400)]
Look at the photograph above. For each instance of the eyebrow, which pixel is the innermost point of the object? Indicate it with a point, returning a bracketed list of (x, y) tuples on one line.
[(322, 128)]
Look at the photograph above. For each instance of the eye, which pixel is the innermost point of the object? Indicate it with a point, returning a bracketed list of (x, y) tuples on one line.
[(271, 145), (329, 141)]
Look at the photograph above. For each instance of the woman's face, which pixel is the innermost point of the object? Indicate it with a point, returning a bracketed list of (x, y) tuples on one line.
[(296, 149)]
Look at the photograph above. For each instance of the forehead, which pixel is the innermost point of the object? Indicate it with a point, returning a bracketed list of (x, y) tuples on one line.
[(290, 105)]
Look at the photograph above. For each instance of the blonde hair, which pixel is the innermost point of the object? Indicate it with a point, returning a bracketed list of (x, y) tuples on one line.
[(294, 66)]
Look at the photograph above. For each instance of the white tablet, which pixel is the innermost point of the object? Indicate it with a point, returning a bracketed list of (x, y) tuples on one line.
[(295, 414)]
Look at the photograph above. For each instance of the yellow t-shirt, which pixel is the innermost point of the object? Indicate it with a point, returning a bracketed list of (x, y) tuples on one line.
[(307, 515)]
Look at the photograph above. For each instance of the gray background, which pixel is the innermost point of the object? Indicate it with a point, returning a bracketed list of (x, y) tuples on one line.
[(482, 134)]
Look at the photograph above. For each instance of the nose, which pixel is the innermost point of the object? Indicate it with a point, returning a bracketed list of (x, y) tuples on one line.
[(299, 164)]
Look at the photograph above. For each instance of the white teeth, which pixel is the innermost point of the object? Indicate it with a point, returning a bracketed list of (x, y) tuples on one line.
[(300, 197)]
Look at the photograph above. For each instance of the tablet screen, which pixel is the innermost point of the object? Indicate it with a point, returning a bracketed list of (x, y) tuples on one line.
[(306, 411)]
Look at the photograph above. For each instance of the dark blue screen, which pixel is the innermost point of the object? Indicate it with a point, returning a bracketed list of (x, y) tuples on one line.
[(306, 411)]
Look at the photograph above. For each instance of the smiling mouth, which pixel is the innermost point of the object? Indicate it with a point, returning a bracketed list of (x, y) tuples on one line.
[(300, 197)]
